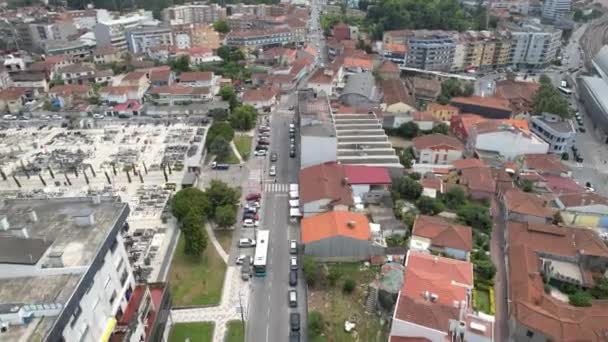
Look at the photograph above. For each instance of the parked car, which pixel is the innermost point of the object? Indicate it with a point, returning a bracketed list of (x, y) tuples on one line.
[(293, 278), (294, 321), (245, 243), (589, 187), (250, 215), (254, 196), (250, 223), (273, 171), (264, 129), (274, 157), (261, 147), (219, 166), (292, 153), (293, 247), (239, 259), (263, 142), (293, 298), (293, 263), (578, 159), (582, 129), (260, 153)]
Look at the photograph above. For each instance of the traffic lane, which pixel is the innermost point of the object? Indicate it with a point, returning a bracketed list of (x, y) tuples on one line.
[(278, 284)]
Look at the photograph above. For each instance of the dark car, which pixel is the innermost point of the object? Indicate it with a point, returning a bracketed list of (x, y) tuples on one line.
[(274, 156), (294, 336), (292, 153), (250, 215), (263, 142), (293, 278), (261, 147), (294, 321), (579, 159), (582, 129)]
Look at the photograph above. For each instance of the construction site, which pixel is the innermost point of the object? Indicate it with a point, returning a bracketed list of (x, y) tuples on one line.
[(142, 165)]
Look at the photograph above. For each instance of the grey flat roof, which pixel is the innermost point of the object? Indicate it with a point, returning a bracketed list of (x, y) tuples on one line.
[(76, 245), (14, 250), (599, 90), (600, 61)]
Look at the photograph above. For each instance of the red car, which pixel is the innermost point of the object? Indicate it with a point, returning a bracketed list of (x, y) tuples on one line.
[(253, 197)]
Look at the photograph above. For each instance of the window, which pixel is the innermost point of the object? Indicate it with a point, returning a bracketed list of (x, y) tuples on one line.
[(124, 277), (75, 315), (108, 279), (530, 334), (120, 262), (113, 297), (114, 245)]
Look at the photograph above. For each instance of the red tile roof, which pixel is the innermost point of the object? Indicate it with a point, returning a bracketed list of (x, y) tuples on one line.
[(193, 76), (335, 223), (395, 92), (12, 93), (468, 163), (544, 163), (325, 181), (134, 76), (321, 77), (372, 175), (261, 94), (582, 199), (160, 75), (443, 233), (178, 90), (478, 179), (487, 101), (363, 62), (389, 67), (562, 185), (70, 89), (437, 141), (400, 48), (519, 94), (527, 203)]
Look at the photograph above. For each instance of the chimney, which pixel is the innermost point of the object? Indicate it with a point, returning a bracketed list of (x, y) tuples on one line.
[(434, 297), (85, 219), (435, 259), (351, 224), (31, 214), (25, 233), (426, 295), (4, 225)]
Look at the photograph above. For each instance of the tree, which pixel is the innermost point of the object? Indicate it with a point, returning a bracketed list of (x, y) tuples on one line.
[(196, 241), (548, 99), (220, 194), (409, 218), (414, 175), (220, 148), (600, 290), (406, 157), (440, 128), (580, 298), (408, 130), (220, 128), (406, 188), (454, 198), (429, 206), (221, 26), (230, 54), (333, 276), (189, 199), (225, 215), (316, 325), (311, 270), (483, 266), (228, 94), (348, 286), (527, 185), (181, 64), (452, 87), (243, 117), (476, 216)]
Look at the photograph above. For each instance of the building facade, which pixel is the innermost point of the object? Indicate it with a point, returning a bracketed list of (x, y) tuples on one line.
[(143, 38), (553, 10), (559, 134), (260, 38), (193, 14), (431, 50), (112, 32), (534, 45)]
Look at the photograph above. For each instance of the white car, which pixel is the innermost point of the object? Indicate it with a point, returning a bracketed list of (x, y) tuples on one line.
[(244, 243), (260, 153), (9, 117), (273, 170), (293, 263), (98, 116), (57, 117), (239, 259), (249, 223)]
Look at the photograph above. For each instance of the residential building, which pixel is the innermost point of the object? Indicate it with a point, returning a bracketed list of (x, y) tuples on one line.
[(388, 70), (533, 45), (462, 124), (395, 37), (193, 14), (340, 236), (69, 254), (27, 79), (435, 303), (478, 181), (204, 79), (435, 234), (44, 30), (106, 55), (137, 79), (196, 36), (113, 31), (437, 149), (12, 100), (63, 96), (583, 209), (396, 98), (323, 188), (120, 94), (260, 38), (176, 95), (425, 120), (520, 94), (277, 56), (396, 53), (83, 19), (80, 73), (143, 38), (493, 138), (554, 10), (263, 99), (560, 134), (544, 164), (527, 207), (485, 50), (13, 64), (358, 63), (360, 91), (73, 50), (487, 107), (161, 77), (425, 90), (430, 50), (443, 112), (562, 255)]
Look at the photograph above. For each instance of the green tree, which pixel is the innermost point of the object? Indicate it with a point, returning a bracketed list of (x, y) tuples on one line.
[(218, 114), (333, 276), (220, 128), (228, 94), (311, 270), (406, 157), (454, 198), (189, 199), (527, 185), (440, 128), (221, 26), (196, 241), (580, 298), (483, 266), (406, 188), (225, 215), (243, 117), (230, 54), (549, 99), (408, 130), (220, 148), (600, 290), (476, 216), (409, 218), (316, 324), (414, 175), (220, 194), (181, 64), (348, 286), (429, 206)]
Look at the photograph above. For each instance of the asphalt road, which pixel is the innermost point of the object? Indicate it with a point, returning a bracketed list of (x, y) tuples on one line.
[(268, 307)]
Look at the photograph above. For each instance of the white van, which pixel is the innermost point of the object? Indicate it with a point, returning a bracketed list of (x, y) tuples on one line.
[(293, 298), (294, 195)]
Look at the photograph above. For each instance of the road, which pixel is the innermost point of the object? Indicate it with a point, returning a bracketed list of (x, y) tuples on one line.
[(498, 255), (269, 311)]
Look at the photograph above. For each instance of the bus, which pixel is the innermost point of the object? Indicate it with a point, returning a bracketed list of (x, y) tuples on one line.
[(261, 253), (565, 90)]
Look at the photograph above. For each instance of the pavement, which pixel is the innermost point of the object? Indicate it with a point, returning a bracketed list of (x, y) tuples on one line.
[(498, 255)]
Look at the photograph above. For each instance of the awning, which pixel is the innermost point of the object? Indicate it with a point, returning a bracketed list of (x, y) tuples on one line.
[(109, 329)]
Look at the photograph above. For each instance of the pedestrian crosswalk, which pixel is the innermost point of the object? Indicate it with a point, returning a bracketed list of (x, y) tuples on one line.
[(276, 187)]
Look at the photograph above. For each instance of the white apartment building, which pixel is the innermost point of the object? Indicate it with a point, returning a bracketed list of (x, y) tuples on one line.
[(534, 45), (143, 38), (193, 14), (553, 10), (112, 32), (64, 269)]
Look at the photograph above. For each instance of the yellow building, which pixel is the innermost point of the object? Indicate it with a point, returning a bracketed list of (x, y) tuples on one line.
[(485, 50), (442, 112)]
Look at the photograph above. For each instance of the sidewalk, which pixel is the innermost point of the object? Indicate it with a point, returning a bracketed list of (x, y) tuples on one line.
[(236, 152)]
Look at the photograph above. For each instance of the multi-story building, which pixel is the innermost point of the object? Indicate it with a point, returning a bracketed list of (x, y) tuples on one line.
[(141, 39), (553, 10), (260, 38), (533, 45), (430, 50), (195, 36), (112, 32), (43, 31), (65, 272), (73, 50), (83, 19), (558, 133), (485, 50), (193, 14), (257, 9)]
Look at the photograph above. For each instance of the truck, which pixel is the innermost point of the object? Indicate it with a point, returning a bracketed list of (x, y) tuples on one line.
[(217, 166)]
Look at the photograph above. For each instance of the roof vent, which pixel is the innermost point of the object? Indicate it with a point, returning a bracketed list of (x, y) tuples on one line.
[(351, 224), (435, 259), (96, 199), (426, 295), (31, 214), (84, 219), (434, 297)]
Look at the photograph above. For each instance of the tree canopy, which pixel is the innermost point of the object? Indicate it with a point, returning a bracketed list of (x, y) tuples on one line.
[(476, 216), (454, 198), (221, 128), (453, 87), (429, 206), (408, 130), (181, 64), (221, 26), (406, 188), (220, 148), (228, 94), (225, 215), (548, 99), (243, 117)]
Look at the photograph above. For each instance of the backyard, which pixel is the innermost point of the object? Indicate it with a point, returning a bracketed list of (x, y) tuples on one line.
[(337, 305), (236, 332), (196, 281), (482, 301), (199, 332), (243, 145)]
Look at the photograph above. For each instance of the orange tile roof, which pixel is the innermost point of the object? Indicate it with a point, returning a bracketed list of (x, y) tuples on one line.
[(443, 233), (335, 223), (193, 76), (544, 163), (325, 181), (582, 199), (527, 203), (389, 67), (468, 163), (487, 101), (395, 92), (439, 107), (478, 179), (433, 140), (395, 48), (366, 63), (134, 76)]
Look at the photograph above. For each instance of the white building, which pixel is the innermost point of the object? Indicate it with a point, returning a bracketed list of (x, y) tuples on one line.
[(497, 139), (553, 10), (534, 44), (143, 38), (64, 261), (193, 14), (113, 31), (558, 133)]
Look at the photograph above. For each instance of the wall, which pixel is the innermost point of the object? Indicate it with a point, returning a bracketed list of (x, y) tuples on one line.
[(360, 189), (419, 243), (316, 150), (526, 218), (520, 332), (510, 145), (341, 248), (456, 253), (408, 329), (584, 220), (444, 157), (315, 207)]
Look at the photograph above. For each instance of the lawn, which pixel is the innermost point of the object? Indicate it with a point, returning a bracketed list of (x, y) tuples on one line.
[(196, 281), (224, 236), (337, 307), (232, 158), (482, 300), (243, 145), (235, 332), (200, 332)]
